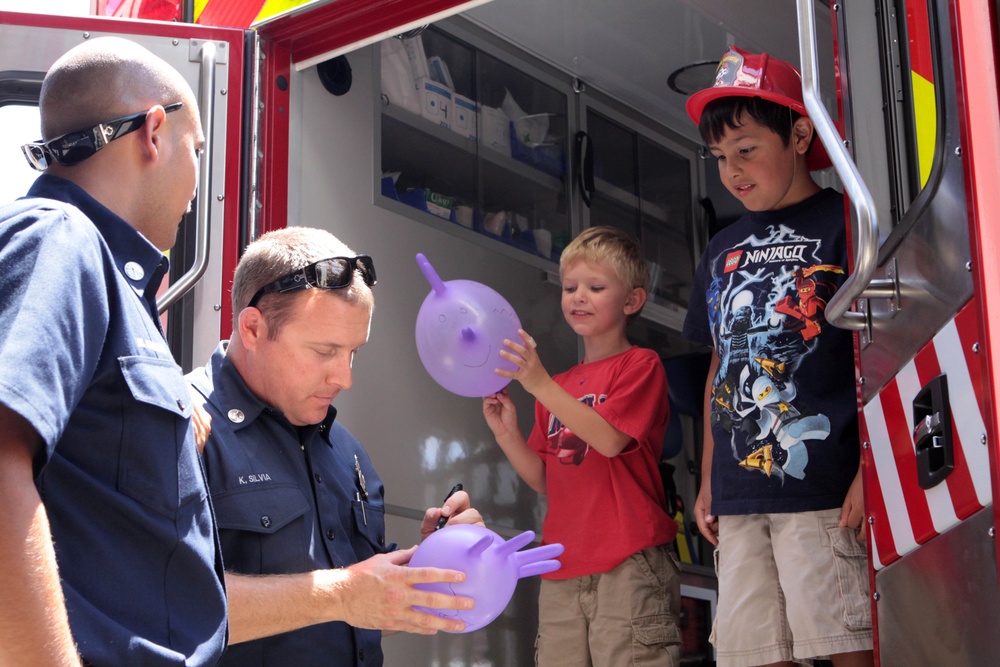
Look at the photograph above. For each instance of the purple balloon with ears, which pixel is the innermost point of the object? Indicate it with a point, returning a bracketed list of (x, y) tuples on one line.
[(491, 566), (461, 327)]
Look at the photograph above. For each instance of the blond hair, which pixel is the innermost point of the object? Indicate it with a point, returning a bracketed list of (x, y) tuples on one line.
[(611, 246)]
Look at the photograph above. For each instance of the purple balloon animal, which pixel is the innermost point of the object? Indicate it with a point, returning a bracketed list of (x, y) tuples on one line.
[(492, 568), (460, 331)]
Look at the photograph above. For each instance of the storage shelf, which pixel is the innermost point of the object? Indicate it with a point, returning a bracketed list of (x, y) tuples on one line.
[(627, 199), (436, 157)]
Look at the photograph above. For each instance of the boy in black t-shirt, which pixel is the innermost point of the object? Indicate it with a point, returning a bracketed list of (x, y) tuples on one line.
[(781, 492)]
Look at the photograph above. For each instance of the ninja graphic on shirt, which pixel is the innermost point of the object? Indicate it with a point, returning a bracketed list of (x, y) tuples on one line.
[(768, 309)]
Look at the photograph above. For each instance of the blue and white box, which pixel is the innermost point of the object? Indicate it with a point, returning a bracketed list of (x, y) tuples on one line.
[(435, 101), (462, 115), (438, 70)]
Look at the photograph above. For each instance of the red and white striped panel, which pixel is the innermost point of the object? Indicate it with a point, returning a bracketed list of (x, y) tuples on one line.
[(907, 516)]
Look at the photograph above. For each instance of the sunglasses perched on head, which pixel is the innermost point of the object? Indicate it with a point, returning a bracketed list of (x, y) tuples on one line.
[(332, 273), (75, 147)]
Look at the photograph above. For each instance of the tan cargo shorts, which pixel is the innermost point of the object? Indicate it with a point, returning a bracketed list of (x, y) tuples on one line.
[(791, 587), (623, 618)]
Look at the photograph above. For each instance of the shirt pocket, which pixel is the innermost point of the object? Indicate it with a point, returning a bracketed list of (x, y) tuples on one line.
[(263, 509), (158, 464), (263, 528), (369, 529)]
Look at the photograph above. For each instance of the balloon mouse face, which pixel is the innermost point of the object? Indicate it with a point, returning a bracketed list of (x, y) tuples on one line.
[(460, 331), (491, 565)]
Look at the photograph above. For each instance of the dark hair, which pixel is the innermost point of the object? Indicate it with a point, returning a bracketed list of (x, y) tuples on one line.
[(724, 114)]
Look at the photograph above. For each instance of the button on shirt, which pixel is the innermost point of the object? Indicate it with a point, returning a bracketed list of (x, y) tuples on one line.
[(83, 359), (287, 500)]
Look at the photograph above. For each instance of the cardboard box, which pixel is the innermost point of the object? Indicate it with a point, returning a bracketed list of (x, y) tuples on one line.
[(438, 70), (435, 101), (462, 115), (430, 201)]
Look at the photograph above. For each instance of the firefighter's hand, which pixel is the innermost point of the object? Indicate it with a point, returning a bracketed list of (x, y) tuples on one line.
[(201, 421), (460, 510), (852, 514), (708, 523)]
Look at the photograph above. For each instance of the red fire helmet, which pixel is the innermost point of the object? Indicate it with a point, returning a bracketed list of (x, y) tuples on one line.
[(744, 74)]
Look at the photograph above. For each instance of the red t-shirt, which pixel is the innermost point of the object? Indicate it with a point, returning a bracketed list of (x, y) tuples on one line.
[(603, 510)]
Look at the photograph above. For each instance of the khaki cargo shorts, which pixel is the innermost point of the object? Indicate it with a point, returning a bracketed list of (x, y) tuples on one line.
[(791, 587), (623, 618)]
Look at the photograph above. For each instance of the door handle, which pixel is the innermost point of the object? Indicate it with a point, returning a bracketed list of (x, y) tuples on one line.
[(860, 283), (203, 206), (932, 433), (584, 166)]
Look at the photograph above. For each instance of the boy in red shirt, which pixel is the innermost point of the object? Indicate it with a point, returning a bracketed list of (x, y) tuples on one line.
[(593, 452)]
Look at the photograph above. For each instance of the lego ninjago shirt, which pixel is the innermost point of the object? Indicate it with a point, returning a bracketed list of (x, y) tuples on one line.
[(783, 408)]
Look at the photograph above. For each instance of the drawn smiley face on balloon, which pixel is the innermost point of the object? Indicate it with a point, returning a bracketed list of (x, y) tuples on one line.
[(460, 331)]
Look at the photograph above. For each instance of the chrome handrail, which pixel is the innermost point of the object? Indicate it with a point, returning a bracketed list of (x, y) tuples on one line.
[(866, 235), (203, 206)]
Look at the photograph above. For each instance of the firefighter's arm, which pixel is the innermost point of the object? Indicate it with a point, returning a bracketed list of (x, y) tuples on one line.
[(377, 593), (708, 524), (34, 627), (852, 514)]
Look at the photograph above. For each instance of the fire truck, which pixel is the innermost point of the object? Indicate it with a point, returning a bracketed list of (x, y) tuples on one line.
[(486, 134)]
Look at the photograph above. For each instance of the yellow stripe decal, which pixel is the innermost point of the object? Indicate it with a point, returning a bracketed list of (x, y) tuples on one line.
[(925, 115)]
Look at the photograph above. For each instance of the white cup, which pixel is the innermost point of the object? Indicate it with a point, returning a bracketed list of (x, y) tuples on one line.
[(463, 214), (543, 241), (494, 222)]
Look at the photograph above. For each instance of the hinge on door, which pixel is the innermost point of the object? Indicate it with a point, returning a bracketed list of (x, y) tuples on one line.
[(221, 51), (865, 334)]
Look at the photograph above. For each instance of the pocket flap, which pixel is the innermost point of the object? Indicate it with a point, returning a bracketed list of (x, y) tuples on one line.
[(157, 382), (655, 630), (259, 509)]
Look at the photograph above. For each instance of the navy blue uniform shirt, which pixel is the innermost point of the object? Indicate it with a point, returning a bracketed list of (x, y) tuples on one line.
[(83, 359), (287, 500)]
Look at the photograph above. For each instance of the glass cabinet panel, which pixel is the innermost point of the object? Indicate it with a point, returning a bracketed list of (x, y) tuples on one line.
[(644, 188), (475, 141)]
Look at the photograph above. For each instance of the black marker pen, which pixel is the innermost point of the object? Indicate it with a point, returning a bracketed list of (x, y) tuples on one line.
[(443, 520)]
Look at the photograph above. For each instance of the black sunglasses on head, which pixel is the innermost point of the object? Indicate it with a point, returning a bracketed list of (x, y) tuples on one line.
[(331, 273), (75, 147)]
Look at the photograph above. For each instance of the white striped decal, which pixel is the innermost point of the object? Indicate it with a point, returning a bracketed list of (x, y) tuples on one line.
[(906, 516), (966, 413)]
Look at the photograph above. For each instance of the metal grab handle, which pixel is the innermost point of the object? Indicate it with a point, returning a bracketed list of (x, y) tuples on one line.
[(584, 151), (838, 311), (203, 207)]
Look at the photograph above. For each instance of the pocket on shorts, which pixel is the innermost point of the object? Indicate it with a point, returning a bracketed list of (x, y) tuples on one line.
[(651, 635), (658, 565), (851, 561)]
